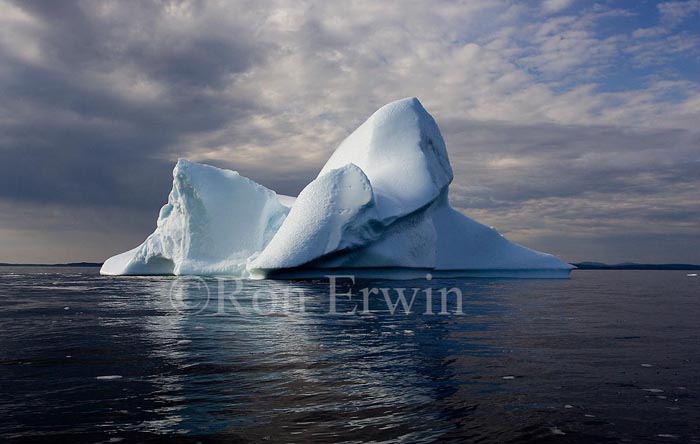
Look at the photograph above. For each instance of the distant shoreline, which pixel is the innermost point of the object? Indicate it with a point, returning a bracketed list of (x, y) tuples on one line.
[(578, 265), (70, 264), (633, 266)]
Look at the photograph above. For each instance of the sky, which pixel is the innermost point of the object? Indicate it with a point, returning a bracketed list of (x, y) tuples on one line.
[(573, 126)]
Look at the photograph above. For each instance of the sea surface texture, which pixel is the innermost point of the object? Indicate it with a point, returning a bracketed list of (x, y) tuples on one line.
[(607, 356)]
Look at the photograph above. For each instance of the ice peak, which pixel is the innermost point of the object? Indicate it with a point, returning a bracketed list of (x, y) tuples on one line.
[(401, 109), (403, 154), (184, 164)]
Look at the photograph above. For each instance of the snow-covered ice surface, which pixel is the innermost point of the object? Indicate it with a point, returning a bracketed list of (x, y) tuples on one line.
[(401, 151), (333, 213), (378, 207)]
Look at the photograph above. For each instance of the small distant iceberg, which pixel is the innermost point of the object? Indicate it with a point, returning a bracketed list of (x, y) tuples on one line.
[(378, 208)]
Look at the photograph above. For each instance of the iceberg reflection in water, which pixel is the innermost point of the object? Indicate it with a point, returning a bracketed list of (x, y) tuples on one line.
[(594, 357)]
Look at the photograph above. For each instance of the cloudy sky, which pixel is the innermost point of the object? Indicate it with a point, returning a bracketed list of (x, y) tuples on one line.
[(573, 126)]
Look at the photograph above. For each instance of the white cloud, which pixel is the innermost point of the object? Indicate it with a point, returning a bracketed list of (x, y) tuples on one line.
[(653, 31), (553, 6), (674, 13), (19, 34)]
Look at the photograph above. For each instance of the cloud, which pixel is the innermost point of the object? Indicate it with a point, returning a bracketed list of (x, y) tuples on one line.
[(674, 13), (542, 113), (552, 6), (594, 180)]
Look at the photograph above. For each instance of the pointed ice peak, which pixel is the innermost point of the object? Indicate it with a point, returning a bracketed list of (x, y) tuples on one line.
[(402, 152), (185, 168)]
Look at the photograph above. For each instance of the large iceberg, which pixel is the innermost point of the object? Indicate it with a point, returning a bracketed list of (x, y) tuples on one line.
[(378, 207)]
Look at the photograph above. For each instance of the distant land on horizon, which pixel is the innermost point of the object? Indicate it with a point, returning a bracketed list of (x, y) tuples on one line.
[(578, 265), (633, 266), (69, 264)]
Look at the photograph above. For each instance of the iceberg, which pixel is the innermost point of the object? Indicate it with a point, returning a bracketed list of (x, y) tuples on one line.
[(379, 207), (214, 221)]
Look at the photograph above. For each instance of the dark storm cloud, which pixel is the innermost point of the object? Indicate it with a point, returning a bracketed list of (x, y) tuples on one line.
[(78, 38), (81, 142)]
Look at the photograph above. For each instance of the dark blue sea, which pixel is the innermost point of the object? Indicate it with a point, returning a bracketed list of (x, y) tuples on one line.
[(607, 356)]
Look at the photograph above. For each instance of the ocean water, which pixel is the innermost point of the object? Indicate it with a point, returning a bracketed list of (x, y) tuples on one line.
[(607, 356)]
